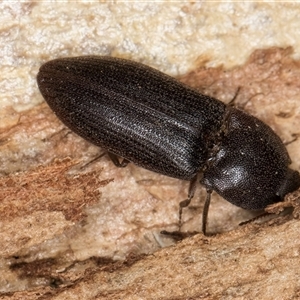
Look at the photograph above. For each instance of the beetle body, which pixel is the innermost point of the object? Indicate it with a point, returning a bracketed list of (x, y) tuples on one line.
[(158, 123)]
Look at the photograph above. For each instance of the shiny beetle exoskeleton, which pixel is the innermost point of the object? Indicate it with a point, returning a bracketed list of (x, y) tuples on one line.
[(156, 122)]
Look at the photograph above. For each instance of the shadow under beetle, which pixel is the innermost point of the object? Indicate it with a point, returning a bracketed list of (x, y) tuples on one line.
[(151, 119)]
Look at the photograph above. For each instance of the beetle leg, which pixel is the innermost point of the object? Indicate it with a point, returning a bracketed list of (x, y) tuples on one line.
[(232, 101), (186, 202), (115, 159), (205, 210), (92, 161), (295, 138)]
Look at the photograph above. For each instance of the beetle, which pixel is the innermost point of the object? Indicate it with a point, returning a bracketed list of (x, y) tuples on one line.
[(148, 118)]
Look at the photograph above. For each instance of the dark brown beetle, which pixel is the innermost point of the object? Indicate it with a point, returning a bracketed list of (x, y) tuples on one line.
[(158, 123)]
